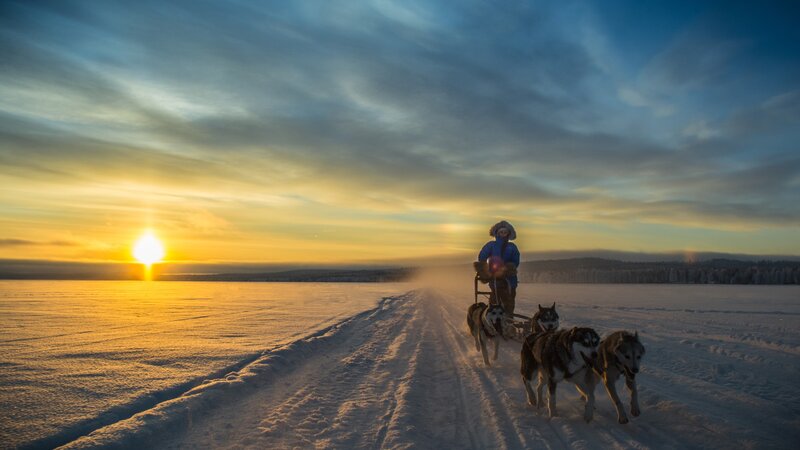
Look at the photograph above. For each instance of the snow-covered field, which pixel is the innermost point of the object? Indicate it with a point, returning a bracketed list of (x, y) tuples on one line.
[(76, 355), (398, 369)]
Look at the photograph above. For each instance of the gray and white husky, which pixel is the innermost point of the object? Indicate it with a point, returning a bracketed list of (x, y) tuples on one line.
[(545, 319), (486, 323), (619, 354), (560, 355)]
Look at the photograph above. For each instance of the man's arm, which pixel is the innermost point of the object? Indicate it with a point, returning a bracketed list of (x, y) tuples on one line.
[(514, 256), (484, 253)]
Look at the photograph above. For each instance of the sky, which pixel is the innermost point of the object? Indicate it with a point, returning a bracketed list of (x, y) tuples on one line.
[(369, 131)]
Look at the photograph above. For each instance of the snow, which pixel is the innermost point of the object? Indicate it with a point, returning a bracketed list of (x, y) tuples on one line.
[(78, 355), (720, 371)]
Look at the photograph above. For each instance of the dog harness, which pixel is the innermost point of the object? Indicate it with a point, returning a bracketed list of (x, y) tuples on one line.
[(488, 327), (560, 355), (567, 373)]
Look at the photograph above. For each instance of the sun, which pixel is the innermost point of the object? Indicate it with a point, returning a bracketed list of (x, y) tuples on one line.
[(148, 249)]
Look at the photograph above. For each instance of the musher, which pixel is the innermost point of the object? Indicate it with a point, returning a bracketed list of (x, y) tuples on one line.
[(497, 265)]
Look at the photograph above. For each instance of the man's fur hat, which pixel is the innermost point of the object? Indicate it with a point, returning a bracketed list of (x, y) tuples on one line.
[(512, 234)]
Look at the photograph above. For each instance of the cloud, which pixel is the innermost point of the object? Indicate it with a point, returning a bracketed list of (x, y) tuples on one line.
[(700, 130), (420, 110), (26, 242), (776, 113), (695, 58)]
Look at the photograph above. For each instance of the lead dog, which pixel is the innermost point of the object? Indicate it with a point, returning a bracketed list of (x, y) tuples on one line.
[(486, 322), (619, 354), (545, 319), (560, 355)]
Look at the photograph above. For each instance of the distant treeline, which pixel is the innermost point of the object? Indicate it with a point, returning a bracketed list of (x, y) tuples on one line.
[(715, 271), (11, 269), (575, 270), (321, 275)]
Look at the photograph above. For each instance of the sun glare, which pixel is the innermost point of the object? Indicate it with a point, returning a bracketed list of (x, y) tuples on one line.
[(148, 249)]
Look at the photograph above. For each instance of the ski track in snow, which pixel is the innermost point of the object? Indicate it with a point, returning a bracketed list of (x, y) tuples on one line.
[(406, 375)]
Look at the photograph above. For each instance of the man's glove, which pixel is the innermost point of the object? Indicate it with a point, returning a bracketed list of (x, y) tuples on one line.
[(482, 270)]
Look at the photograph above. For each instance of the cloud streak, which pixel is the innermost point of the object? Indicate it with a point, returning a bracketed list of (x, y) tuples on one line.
[(417, 111)]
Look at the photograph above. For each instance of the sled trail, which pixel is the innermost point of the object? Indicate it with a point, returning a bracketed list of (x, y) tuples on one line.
[(406, 374)]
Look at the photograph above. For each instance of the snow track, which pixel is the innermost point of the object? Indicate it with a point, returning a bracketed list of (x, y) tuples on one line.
[(406, 374)]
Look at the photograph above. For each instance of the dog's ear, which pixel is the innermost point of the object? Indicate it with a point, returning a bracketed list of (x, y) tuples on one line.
[(540, 307), (554, 305)]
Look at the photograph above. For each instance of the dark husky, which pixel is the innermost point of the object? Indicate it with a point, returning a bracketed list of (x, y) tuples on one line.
[(560, 355), (619, 354), (486, 322), (545, 319)]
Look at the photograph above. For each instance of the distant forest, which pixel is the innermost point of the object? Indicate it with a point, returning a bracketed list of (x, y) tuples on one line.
[(319, 275), (575, 270), (715, 271)]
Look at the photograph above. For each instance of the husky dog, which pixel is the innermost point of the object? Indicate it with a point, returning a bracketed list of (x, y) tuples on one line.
[(619, 354), (545, 319), (486, 322), (560, 355)]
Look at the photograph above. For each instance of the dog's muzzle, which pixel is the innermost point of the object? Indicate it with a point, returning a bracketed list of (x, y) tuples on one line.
[(630, 373)]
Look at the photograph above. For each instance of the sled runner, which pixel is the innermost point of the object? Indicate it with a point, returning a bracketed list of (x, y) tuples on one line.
[(520, 325)]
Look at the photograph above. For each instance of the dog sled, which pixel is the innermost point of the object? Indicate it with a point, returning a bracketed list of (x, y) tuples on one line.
[(520, 325)]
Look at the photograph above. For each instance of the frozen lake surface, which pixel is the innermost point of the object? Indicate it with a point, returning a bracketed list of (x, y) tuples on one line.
[(75, 355), (283, 365)]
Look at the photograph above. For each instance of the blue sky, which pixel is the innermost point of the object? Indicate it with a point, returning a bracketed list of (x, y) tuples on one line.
[(362, 131)]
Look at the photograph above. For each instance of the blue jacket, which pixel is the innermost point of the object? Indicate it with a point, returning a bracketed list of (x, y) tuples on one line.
[(510, 255)]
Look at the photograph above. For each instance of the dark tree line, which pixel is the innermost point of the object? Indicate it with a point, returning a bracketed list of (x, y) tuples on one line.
[(717, 271)]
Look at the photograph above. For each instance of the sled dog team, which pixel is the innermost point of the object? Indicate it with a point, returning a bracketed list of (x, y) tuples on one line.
[(576, 355)]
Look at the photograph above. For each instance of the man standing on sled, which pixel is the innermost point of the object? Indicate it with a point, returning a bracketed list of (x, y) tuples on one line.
[(497, 265)]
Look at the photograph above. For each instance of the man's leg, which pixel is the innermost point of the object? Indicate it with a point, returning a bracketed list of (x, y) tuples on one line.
[(494, 297), (511, 300), (502, 293), (507, 295)]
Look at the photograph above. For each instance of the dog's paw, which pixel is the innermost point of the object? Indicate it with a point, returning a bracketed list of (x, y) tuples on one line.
[(587, 416), (635, 411), (623, 420)]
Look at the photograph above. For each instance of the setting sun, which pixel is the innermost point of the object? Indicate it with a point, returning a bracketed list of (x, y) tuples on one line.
[(148, 249)]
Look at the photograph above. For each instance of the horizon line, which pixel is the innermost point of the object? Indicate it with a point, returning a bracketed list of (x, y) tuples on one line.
[(621, 255)]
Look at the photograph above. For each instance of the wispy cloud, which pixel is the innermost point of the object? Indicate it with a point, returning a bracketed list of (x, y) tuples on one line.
[(251, 115), (26, 242)]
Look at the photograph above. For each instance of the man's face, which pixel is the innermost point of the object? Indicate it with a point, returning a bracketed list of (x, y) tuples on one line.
[(502, 232)]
